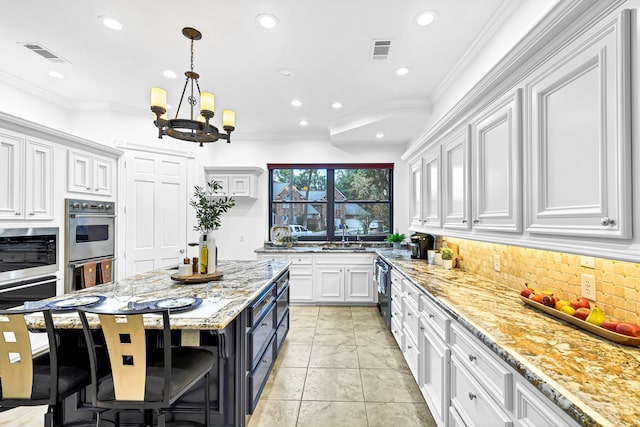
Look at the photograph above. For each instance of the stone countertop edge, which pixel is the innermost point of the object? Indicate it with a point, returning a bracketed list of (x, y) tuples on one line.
[(242, 281), (596, 381), (351, 247)]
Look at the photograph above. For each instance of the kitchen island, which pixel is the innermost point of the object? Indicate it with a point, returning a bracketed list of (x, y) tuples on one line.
[(246, 329), (592, 380)]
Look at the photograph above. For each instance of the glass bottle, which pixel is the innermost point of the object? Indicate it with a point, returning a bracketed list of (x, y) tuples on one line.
[(204, 256)]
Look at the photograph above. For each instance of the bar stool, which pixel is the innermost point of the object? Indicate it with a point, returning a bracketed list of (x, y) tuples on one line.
[(143, 376), (29, 381)]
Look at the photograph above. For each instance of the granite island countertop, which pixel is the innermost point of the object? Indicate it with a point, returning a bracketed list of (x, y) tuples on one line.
[(242, 282), (596, 381)]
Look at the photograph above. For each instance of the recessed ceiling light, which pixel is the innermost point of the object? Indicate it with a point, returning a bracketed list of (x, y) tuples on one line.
[(56, 75), (285, 72), (110, 23), (337, 105), (402, 71), (379, 135), (296, 103), (267, 21), (169, 74), (303, 123), (425, 18)]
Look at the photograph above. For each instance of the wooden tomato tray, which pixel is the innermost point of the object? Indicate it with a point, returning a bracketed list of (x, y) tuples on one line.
[(602, 332)]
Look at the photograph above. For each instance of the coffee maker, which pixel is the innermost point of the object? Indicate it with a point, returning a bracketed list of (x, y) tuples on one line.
[(420, 244)]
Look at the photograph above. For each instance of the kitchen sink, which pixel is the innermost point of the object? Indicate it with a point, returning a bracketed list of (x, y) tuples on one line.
[(343, 248)]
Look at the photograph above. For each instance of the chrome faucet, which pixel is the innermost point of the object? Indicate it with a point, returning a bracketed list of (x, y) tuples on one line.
[(344, 232)]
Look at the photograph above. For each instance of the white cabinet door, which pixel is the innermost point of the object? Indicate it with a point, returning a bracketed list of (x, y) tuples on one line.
[(415, 203), (223, 180), (329, 283), (240, 185), (434, 378), (455, 173), (359, 284), (432, 188), (11, 176), (496, 159), (300, 287), (580, 152), (79, 172), (103, 176), (38, 181)]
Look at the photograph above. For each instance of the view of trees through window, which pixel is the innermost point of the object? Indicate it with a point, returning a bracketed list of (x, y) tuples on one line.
[(356, 199)]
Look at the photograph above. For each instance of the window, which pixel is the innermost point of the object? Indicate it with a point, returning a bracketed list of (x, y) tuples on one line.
[(327, 202)]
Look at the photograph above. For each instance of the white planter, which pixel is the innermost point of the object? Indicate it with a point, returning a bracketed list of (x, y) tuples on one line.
[(212, 249), (438, 259), (431, 256), (447, 264)]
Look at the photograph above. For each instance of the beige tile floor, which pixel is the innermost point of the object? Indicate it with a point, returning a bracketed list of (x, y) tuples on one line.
[(339, 366)]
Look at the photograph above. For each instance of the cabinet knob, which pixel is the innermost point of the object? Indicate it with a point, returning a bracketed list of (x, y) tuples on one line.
[(88, 188), (607, 221), (181, 251), (409, 314), (472, 396), (264, 324), (431, 316), (18, 213), (265, 361), (32, 213), (464, 221), (472, 357), (422, 328), (475, 221), (409, 347)]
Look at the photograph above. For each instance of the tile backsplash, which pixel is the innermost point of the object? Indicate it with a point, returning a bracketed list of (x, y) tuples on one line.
[(617, 282)]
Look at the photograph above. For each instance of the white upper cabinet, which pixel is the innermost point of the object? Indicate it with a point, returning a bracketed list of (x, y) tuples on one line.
[(579, 136), (496, 146), (26, 183), (89, 174), (239, 182), (455, 176)]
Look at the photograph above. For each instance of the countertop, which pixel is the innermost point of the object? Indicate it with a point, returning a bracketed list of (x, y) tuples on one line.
[(349, 247), (242, 282), (597, 382)]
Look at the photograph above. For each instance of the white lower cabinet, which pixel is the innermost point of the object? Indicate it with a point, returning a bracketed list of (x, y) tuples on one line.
[(462, 381), (473, 403), (328, 278)]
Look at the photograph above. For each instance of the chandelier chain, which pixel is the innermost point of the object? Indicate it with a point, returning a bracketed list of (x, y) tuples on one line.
[(191, 55)]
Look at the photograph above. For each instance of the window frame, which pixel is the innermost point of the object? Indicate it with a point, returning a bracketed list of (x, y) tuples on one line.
[(332, 234)]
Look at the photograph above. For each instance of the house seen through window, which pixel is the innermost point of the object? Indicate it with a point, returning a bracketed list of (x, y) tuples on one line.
[(332, 201)]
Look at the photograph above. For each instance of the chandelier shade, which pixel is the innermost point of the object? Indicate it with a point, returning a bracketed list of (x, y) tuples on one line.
[(196, 128)]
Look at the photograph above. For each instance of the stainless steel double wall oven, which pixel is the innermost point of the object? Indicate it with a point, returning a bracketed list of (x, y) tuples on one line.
[(28, 264), (89, 237)]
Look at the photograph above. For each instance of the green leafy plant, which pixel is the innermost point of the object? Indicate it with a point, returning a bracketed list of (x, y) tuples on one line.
[(208, 207), (395, 238), (289, 239), (446, 252)]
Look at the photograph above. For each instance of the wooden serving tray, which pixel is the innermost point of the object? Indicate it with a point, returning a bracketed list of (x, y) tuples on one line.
[(602, 332), (197, 278)]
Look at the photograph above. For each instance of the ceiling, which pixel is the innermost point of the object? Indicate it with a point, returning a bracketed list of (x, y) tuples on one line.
[(326, 44)]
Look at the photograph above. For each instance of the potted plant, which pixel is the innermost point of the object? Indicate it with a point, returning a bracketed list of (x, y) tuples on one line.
[(208, 210), (395, 239), (447, 257), (289, 241)]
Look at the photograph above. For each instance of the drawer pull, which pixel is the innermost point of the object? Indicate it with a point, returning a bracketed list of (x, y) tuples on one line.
[(431, 316), (409, 347), (409, 313), (409, 293), (265, 361), (422, 328), (472, 358), (264, 324), (472, 396)]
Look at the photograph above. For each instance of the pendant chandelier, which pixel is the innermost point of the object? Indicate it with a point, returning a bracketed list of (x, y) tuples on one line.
[(198, 129)]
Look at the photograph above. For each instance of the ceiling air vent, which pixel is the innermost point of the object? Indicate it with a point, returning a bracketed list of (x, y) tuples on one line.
[(44, 52), (380, 49)]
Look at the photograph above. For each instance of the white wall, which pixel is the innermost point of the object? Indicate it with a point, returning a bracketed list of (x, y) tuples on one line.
[(245, 227)]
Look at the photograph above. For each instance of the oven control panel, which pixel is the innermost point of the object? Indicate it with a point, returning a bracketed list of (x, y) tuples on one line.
[(75, 206)]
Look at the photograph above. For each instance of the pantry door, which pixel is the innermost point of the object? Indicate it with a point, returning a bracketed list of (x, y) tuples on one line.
[(155, 211)]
